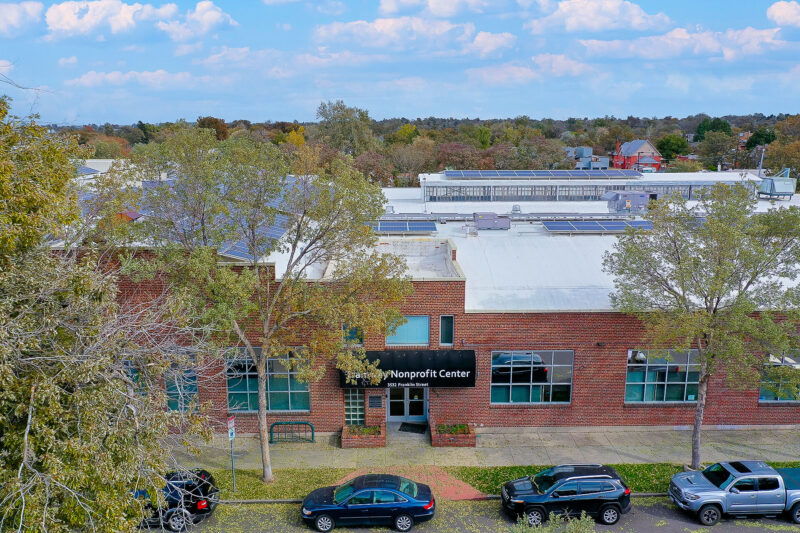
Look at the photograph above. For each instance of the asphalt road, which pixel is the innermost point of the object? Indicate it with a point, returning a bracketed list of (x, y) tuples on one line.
[(649, 515)]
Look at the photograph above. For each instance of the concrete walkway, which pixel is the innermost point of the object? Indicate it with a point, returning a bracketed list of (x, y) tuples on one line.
[(542, 446)]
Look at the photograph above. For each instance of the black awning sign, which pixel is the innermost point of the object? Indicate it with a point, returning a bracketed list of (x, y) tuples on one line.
[(418, 368)]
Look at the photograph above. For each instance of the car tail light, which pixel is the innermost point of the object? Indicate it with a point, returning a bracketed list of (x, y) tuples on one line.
[(202, 504), (627, 491), (430, 505)]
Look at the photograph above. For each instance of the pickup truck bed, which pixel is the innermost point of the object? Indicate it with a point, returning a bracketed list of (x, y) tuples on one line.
[(791, 477)]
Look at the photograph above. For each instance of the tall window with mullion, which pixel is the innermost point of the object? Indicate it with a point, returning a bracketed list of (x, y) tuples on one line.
[(542, 376), (284, 391), (181, 390), (779, 380), (660, 376)]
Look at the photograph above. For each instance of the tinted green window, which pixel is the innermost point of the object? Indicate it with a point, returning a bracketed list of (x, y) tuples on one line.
[(543, 376), (659, 377), (779, 380), (353, 336), (284, 391), (446, 330), (414, 332), (182, 391)]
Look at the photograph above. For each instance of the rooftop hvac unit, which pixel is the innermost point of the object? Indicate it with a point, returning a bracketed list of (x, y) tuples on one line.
[(389, 209), (628, 201), (491, 221)]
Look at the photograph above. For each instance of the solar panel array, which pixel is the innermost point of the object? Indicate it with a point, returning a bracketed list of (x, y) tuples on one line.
[(400, 226), (543, 174), (591, 226)]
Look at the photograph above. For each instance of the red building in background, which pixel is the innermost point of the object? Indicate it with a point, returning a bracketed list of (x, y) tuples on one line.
[(637, 155)]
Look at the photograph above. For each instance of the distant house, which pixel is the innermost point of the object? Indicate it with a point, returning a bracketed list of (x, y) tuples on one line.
[(638, 155), (585, 160), (742, 139)]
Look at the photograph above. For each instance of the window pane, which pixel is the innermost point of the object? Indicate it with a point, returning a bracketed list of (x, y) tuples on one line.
[(446, 330), (520, 393), (691, 393), (656, 374), (279, 401), (520, 373), (540, 393), (675, 393), (501, 394), (362, 498), (768, 483), (562, 357), (296, 385), (501, 374), (675, 375), (278, 383), (654, 393), (568, 489), (254, 401), (636, 376), (634, 393), (414, 332), (301, 401), (591, 487), (382, 496), (237, 402), (562, 374), (237, 384), (560, 393), (767, 394)]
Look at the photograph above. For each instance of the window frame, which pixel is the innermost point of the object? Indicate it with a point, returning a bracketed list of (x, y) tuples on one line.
[(251, 373), (406, 323), (348, 405), (549, 368), (452, 330), (186, 394), (773, 361), (691, 367)]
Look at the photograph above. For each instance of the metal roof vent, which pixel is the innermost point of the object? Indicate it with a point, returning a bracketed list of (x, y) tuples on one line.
[(389, 209), (516, 209)]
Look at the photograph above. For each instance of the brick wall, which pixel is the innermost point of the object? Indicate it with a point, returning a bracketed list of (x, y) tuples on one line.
[(600, 342)]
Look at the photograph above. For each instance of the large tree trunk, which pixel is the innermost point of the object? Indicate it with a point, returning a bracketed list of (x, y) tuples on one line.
[(263, 428), (702, 389)]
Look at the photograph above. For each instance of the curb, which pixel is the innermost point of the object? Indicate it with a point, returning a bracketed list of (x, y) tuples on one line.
[(487, 497)]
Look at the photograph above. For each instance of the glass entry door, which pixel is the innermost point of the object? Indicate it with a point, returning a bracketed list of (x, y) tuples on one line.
[(408, 404)]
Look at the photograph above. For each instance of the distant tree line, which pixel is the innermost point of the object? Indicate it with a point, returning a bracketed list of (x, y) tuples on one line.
[(395, 151)]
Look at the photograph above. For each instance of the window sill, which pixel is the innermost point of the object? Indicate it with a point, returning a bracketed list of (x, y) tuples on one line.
[(659, 404), (526, 405), (787, 403), (301, 412), (392, 346)]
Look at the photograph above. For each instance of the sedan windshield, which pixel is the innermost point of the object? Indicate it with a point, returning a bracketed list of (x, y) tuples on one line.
[(543, 480), (718, 475), (343, 492)]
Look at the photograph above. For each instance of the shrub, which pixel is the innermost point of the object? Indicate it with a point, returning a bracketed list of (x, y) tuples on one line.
[(452, 429), (557, 524), (363, 430)]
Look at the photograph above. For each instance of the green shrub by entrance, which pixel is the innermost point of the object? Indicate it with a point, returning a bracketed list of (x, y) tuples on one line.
[(452, 429)]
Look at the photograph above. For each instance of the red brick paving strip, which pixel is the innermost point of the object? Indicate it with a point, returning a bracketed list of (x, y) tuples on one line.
[(443, 485)]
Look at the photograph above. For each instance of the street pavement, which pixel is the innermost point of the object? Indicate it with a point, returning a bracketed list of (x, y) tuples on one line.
[(649, 515), (542, 446)]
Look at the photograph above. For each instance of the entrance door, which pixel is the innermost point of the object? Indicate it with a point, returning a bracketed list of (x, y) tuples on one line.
[(408, 404)]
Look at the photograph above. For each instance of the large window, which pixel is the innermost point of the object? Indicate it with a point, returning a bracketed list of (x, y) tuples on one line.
[(661, 376), (415, 332), (353, 336), (181, 390), (354, 407), (777, 383), (284, 391), (542, 376)]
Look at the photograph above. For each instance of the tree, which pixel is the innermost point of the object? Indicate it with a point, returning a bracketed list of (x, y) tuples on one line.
[(297, 137), (712, 124), (375, 167), (542, 153), (82, 406), (762, 136), (415, 158), (405, 134), (347, 129), (672, 145), (788, 130), (330, 276), (149, 131), (685, 166), (108, 148), (780, 156), (717, 278), (459, 156), (216, 124), (716, 148)]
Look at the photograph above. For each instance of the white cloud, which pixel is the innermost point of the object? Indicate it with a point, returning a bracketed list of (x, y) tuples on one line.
[(596, 15), (5, 66), (439, 8), (784, 13), (64, 61), (87, 16), (679, 83), (15, 16), (155, 79), (486, 43), (332, 7), (542, 66), (559, 65), (186, 49), (134, 48), (278, 2), (205, 17), (730, 44), (400, 32)]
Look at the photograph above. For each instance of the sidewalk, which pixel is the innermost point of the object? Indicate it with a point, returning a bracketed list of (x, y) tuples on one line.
[(505, 449)]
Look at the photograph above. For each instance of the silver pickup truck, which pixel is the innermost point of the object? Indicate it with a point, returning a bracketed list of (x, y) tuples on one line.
[(737, 488)]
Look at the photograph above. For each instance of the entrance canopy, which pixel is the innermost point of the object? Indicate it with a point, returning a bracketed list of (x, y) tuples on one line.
[(417, 368)]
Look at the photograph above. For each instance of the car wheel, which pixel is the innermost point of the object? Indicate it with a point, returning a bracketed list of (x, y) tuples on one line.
[(796, 513), (534, 517), (709, 515), (609, 515), (324, 523), (403, 522), (178, 520)]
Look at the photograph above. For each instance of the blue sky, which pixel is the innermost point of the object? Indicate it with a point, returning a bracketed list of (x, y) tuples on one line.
[(110, 60)]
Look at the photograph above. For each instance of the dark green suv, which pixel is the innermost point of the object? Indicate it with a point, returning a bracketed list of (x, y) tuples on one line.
[(568, 489)]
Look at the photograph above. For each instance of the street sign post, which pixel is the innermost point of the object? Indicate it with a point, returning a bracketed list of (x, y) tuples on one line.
[(231, 436)]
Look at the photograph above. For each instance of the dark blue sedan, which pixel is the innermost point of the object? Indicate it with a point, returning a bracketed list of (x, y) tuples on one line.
[(374, 499)]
